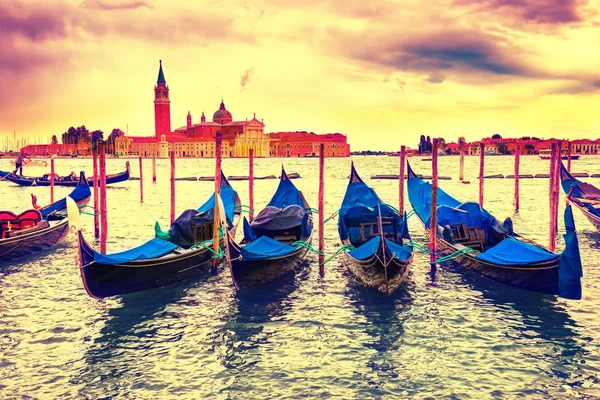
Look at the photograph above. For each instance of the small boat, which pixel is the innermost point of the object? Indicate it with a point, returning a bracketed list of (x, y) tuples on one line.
[(378, 234), (35, 230), (183, 252), (45, 181), (546, 154), (586, 197), (32, 163), (476, 240), (276, 241), (490, 153)]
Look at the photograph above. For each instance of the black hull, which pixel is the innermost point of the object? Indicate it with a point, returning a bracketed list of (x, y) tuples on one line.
[(103, 280), (114, 178), (373, 274), (248, 274), (32, 243), (539, 277)]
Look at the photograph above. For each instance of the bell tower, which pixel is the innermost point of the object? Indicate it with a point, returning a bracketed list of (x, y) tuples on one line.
[(162, 106)]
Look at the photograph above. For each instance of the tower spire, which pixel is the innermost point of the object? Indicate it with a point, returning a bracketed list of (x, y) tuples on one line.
[(161, 75)]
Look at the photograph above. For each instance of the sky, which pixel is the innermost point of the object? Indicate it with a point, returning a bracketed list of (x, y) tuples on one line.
[(382, 72)]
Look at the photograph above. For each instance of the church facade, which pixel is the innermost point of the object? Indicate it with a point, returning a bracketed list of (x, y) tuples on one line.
[(239, 137)]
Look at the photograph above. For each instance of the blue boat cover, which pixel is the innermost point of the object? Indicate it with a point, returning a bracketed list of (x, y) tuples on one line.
[(80, 192), (362, 205), (469, 213), (264, 248), (370, 248), (151, 249), (419, 195), (514, 252), (287, 194), (228, 195), (570, 270)]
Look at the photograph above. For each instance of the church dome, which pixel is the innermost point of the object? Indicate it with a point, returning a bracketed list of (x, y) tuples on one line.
[(222, 116)]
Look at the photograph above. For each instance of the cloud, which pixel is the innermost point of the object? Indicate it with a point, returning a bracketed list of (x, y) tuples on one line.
[(35, 23), (530, 12), (245, 77), (114, 5), (437, 55)]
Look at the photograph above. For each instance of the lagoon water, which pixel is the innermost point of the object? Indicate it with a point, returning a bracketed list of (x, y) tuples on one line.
[(451, 335)]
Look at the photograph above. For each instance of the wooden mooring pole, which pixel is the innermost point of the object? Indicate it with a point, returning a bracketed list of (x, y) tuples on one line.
[(517, 163), (251, 184), (433, 217), (103, 210), (321, 207), (141, 182), (461, 172), (481, 169), (52, 180), (569, 151), (96, 191), (154, 167), (401, 181), (172, 154), (552, 234), (215, 260)]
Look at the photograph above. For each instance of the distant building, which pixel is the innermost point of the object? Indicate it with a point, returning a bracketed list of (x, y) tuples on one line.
[(239, 137), (303, 144)]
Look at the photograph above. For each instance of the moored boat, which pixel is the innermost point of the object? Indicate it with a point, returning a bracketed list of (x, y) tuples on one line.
[(545, 154), (476, 240), (183, 252), (45, 181), (276, 241), (35, 230), (586, 197), (378, 234)]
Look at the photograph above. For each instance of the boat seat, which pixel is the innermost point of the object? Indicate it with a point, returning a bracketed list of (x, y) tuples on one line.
[(472, 237), (29, 219), (286, 238), (43, 224), (10, 222), (369, 230)]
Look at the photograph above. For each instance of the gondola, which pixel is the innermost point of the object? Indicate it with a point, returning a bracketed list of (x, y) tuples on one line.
[(28, 181), (275, 242), (35, 230), (586, 197), (476, 240), (378, 234), (182, 252)]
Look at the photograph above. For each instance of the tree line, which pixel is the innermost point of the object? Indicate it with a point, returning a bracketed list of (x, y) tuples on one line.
[(81, 135)]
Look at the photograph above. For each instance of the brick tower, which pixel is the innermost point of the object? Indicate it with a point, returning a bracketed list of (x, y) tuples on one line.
[(162, 106)]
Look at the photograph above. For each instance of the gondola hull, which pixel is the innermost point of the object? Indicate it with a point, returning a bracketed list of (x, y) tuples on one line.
[(538, 277), (103, 280), (34, 242), (22, 181), (373, 274), (594, 220), (247, 274)]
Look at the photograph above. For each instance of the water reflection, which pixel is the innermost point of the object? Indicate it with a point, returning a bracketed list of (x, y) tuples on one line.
[(137, 326), (251, 311), (385, 317), (542, 319)]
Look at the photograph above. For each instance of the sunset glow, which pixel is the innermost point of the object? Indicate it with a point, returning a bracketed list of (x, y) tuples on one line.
[(382, 72)]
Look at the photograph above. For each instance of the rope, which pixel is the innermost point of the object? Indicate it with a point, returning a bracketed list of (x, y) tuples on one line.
[(218, 254), (334, 255), (452, 256), (306, 245), (332, 216), (410, 213)]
